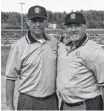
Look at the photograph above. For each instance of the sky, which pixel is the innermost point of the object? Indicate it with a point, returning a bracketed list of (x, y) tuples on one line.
[(52, 5)]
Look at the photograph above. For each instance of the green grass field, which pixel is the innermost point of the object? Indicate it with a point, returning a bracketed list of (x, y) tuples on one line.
[(4, 55)]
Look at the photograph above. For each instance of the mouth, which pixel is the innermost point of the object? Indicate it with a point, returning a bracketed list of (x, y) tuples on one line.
[(73, 33), (38, 29), (74, 36)]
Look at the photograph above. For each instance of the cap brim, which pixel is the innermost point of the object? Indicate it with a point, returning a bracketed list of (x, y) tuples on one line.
[(37, 17), (74, 22)]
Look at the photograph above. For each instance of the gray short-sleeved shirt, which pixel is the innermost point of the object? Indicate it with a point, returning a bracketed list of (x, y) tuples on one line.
[(34, 63), (80, 71)]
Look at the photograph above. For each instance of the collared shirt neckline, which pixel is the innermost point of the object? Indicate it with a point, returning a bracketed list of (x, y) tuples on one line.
[(80, 43), (31, 40)]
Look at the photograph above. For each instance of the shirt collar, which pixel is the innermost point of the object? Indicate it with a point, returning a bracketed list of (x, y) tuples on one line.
[(31, 40), (80, 43)]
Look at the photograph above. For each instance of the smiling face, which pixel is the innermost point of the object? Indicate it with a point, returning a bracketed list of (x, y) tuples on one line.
[(76, 31), (37, 25)]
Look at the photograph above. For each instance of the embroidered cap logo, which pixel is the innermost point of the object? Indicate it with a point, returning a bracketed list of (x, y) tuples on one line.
[(72, 16), (37, 10), (78, 53)]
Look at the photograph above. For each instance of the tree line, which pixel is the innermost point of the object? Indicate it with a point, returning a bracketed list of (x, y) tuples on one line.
[(12, 20)]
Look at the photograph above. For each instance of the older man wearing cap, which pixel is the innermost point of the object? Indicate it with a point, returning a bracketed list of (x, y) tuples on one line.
[(32, 61), (80, 73)]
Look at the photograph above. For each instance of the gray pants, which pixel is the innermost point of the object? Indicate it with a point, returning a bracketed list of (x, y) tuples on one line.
[(26, 102)]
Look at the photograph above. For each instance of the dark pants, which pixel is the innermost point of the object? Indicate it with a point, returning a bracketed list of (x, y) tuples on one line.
[(90, 104), (26, 102), (95, 103)]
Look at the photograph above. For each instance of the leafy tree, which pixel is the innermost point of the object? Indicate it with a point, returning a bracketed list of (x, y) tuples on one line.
[(94, 19)]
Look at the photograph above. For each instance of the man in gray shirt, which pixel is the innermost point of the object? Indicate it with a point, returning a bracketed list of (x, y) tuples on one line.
[(32, 60)]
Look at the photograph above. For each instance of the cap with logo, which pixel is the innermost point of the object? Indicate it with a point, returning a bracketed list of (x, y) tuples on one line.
[(37, 12), (74, 18)]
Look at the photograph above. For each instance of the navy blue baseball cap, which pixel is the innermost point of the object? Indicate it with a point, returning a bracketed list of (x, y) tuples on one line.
[(74, 18), (37, 12)]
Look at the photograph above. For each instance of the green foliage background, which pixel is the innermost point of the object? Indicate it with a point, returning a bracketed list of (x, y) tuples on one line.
[(12, 20)]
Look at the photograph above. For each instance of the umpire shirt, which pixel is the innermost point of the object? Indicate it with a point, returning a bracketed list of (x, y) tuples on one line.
[(34, 63), (80, 71)]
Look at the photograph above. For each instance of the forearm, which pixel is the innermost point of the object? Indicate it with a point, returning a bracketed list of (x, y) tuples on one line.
[(10, 85)]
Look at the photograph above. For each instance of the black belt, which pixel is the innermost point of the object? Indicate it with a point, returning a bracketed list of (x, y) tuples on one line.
[(74, 104)]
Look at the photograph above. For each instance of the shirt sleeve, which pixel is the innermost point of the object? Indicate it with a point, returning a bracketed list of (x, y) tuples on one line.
[(95, 63), (54, 43), (13, 66)]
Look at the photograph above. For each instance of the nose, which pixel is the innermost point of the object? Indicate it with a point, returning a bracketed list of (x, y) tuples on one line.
[(73, 28), (37, 23)]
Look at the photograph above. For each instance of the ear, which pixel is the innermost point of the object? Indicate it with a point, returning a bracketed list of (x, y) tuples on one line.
[(46, 23), (66, 29), (85, 27), (28, 22)]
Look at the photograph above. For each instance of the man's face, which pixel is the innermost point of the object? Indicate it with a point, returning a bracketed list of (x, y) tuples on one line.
[(76, 31), (37, 25)]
